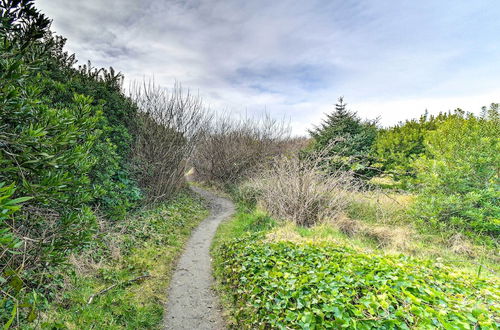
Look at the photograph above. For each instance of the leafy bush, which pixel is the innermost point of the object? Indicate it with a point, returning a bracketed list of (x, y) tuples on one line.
[(57, 145), (348, 140), (289, 286), (397, 147), (46, 151), (115, 191), (8, 206), (459, 179)]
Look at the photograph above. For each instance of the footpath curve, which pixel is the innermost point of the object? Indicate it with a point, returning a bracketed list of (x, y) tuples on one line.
[(192, 303)]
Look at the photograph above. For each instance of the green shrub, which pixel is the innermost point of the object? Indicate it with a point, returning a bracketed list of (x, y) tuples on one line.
[(8, 206), (115, 191), (397, 147), (64, 141), (289, 286), (9, 245), (459, 178), (245, 196), (46, 151)]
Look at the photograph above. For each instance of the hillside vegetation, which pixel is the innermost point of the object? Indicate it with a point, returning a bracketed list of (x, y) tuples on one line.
[(90, 179), (355, 226), (399, 231)]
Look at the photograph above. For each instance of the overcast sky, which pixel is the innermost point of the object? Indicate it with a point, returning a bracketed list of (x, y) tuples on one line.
[(389, 58)]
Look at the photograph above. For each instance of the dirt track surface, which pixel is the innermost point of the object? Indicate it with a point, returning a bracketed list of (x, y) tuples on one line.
[(192, 304)]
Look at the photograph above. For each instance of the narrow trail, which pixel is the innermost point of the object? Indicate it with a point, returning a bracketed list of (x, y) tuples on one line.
[(192, 303)]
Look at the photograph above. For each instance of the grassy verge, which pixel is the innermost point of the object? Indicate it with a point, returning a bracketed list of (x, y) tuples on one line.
[(277, 275), (128, 273)]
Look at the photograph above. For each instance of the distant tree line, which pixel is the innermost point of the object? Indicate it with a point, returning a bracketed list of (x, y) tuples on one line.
[(451, 161)]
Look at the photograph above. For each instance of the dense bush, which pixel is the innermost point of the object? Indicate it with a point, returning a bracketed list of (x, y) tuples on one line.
[(8, 206), (115, 191), (459, 177), (348, 140), (64, 142), (289, 286), (397, 147), (234, 147)]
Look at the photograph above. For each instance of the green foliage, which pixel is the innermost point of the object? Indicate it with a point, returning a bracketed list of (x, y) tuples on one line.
[(64, 141), (47, 150), (9, 244), (284, 285), (349, 141), (8, 206), (245, 196), (397, 147), (115, 191), (459, 178)]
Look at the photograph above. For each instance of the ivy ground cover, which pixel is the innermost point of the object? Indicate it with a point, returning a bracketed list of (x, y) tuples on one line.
[(303, 286)]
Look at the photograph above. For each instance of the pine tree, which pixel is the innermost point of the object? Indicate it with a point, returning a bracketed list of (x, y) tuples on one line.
[(349, 140)]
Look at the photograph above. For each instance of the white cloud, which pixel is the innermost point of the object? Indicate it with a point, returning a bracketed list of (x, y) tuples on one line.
[(294, 58)]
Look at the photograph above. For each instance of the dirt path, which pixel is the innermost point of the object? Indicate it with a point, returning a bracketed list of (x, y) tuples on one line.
[(192, 304)]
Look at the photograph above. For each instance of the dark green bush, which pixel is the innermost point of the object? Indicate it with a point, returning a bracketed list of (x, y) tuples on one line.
[(115, 190), (349, 141), (8, 206), (289, 286), (65, 142)]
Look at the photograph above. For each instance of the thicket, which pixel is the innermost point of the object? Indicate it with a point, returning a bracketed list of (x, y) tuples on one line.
[(459, 175), (168, 126), (396, 148), (232, 148), (450, 161), (74, 151), (301, 189)]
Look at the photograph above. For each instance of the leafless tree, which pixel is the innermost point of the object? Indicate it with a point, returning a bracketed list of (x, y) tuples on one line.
[(233, 147), (169, 124)]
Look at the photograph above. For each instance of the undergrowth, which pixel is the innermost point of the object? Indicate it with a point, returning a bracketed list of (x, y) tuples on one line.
[(275, 274), (134, 261), (286, 285)]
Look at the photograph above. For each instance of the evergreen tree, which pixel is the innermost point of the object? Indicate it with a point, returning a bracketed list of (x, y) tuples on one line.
[(349, 140)]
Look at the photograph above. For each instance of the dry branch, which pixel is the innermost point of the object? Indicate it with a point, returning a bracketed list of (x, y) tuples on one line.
[(114, 286)]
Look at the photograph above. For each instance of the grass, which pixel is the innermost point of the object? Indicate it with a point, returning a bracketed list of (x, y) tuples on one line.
[(144, 245), (378, 222)]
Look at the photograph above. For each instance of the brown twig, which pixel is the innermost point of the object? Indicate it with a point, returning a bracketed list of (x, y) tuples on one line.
[(115, 285)]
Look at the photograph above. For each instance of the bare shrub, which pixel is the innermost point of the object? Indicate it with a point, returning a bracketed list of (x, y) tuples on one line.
[(395, 237), (347, 226), (299, 189), (169, 123), (459, 244), (233, 147)]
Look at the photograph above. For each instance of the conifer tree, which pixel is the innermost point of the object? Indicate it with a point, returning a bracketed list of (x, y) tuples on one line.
[(349, 140)]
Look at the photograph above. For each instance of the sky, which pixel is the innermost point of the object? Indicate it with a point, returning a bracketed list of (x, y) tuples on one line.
[(389, 59)]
